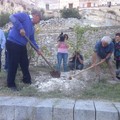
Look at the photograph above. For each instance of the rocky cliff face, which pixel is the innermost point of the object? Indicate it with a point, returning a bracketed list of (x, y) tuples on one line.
[(16, 5), (49, 31)]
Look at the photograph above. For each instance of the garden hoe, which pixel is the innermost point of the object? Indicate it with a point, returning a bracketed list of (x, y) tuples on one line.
[(54, 73), (70, 78)]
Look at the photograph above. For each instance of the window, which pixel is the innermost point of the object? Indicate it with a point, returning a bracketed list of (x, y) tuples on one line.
[(70, 5), (47, 6), (83, 5)]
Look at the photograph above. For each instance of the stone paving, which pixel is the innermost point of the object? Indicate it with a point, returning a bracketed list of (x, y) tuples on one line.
[(30, 108)]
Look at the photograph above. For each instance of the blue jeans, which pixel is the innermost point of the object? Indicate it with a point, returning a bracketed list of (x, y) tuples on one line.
[(61, 56)]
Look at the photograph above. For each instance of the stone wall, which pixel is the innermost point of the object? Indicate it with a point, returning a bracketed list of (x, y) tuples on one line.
[(48, 41)]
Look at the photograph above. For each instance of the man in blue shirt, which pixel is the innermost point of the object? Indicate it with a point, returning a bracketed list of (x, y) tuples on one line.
[(16, 45), (103, 51), (2, 44)]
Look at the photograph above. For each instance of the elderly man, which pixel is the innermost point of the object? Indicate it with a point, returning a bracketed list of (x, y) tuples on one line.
[(2, 44), (23, 24), (103, 51)]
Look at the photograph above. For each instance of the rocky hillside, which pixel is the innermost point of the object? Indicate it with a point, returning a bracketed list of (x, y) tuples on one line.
[(49, 31), (16, 5)]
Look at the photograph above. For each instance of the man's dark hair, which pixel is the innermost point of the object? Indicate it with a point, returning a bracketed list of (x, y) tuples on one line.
[(117, 34), (36, 12), (66, 35)]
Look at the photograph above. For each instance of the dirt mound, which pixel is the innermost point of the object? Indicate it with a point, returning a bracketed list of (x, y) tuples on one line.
[(45, 83)]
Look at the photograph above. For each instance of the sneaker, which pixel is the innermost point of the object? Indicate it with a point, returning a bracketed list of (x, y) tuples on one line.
[(117, 72), (29, 83), (118, 77)]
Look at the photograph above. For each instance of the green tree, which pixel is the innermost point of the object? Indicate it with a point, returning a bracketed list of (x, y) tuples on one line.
[(70, 13), (80, 36), (4, 18)]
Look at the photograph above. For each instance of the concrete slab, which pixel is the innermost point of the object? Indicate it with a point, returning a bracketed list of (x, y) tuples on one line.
[(44, 109), (24, 109), (106, 111), (84, 110), (7, 112), (117, 105), (30, 108), (17, 108), (63, 109)]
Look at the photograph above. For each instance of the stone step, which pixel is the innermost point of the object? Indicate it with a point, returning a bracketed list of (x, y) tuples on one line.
[(30, 108)]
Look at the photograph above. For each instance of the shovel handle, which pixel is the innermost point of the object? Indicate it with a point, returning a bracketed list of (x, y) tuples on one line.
[(89, 68), (37, 50)]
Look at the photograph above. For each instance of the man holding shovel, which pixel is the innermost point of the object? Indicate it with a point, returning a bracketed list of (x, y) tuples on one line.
[(103, 51), (23, 25)]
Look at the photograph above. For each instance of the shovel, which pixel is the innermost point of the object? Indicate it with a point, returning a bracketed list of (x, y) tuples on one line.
[(54, 73), (70, 78)]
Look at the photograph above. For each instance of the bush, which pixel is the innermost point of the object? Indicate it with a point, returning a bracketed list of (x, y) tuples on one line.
[(80, 36), (70, 13), (111, 12), (4, 18), (47, 17)]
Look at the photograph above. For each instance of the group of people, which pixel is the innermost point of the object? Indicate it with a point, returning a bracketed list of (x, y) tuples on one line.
[(23, 25), (75, 62), (102, 52)]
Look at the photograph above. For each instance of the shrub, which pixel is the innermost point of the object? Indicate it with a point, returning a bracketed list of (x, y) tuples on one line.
[(12, 4), (80, 36), (70, 13), (47, 17), (4, 18), (111, 12)]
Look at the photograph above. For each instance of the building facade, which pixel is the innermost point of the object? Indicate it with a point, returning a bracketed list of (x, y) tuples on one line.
[(60, 4)]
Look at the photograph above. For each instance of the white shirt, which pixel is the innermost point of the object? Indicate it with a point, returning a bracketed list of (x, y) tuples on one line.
[(2, 39)]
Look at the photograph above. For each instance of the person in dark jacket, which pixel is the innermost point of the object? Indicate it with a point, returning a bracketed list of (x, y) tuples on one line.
[(117, 54), (23, 25), (76, 61)]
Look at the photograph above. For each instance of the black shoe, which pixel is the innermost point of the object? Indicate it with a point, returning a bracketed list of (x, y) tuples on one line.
[(27, 82), (14, 89), (118, 77)]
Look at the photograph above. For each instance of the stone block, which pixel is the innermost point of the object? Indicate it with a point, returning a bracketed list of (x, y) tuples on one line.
[(6, 109), (117, 105), (17, 108), (63, 110), (44, 109), (106, 111), (84, 110)]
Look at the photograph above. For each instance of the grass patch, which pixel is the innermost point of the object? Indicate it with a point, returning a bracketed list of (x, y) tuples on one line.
[(103, 90), (100, 91), (28, 91)]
